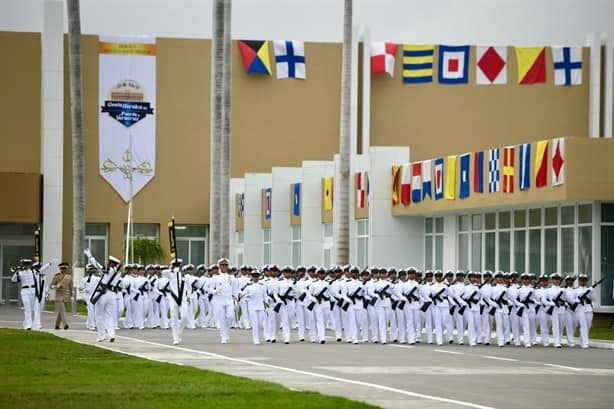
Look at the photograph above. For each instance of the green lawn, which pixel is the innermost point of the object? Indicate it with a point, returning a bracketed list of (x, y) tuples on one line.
[(44, 371), (606, 333)]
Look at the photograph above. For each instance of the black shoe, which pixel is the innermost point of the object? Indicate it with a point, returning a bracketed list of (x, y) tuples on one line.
[(395, 341), (28, 329), (57, 327), (338, 339), (268, 340), (450, 342), (287, 342), (273, 341), (66, 326), (322, 342), (301, 340), (112, 340)]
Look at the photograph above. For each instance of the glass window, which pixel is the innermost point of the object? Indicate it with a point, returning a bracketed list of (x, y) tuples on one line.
[(439, 225), (607, 212), (96, 239), (192, 242), (504, 220), (551, 250), (95, 229), (504, 250), (428, 225), (362, 227), (551, 216), (607, 265), (463, 223), (240, 237), (428, 252), (568, 215), (18, 229), (535, 251), (266, 256), (585, 213), (266, 233), (362, 253), (567, 250), (490, 221), (296, 233), (535, 217), (296, 245), (585, 250), (328, 230), (489, 249), (476, 251), (476, 221), (463, 252), (519, 250), (520, 218), (327, 257), (191, 230), (146, 230), (439, 252)]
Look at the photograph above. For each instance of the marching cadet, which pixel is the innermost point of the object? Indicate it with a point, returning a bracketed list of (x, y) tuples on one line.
[(272, 321), (320, 297), (570, 299), (410, 291), (243, 279), (87, 286), (470, 294), (191, 282), (542, 305), (104, 297), (254, 293), (486, 308), (500, 299), (301, 287), (225, 290), (126, 286), (29, 289), (62, 284), (177, 299), (526, 308), (383, 305), (153, 315), (353, 290), (399, 303), (441, 308), (426, 308), (285, 295), (42, 292), (584, 309), (371, 300), (459, 306), (163, 287), (363, 315), (514, 318), (137, 294), (556, 308), (203, 301), (335, 310)]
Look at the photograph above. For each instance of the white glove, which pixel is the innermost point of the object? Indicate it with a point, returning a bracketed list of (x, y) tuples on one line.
[(88, 253), (54, 261)]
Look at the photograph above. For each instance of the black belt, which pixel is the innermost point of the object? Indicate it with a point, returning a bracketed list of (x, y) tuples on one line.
[(28, 286), (113, 288)]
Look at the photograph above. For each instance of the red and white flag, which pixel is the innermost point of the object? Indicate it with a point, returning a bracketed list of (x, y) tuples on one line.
[(491, 65), (362, 189), (416, 181), (558, 161), (382, 57), (406, 184)]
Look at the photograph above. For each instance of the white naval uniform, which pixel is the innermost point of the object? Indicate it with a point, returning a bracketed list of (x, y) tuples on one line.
[(371, 312), (304, 317), (87, 285), (126, 285), (163, 285), (270, 321), (178, 302), (285, 287), (570, 316), (486, 318), (455, 292), (412, 308), (584, 313), (28, 281), (255, 296), (441, 311), (383, 308), (203, 301), (137, 295), (471, 295), (335, 311), (514, 320), (106, 304), (356, 311), (500, 293), (527, 300), (225, 290), (320, 287), (426, 313), (558, 313), (244, 321)]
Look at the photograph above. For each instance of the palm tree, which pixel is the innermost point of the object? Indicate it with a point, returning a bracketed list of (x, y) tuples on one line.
[(342, 186), (224, 246), (76, 111), (217, 77)]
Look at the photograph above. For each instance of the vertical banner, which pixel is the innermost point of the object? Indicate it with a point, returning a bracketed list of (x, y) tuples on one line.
[(37, 244), (172, 238), (126, 121)]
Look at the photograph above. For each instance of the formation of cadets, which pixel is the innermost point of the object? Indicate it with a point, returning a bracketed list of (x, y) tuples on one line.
[(378, 305)]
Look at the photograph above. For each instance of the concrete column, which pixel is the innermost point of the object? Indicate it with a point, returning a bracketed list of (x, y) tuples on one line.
[(311, 210), (358, 163), (609, 86), (393, 241), (594, 110), (237, 185), (52, 132), (450, 245), (252, 223), (281, 231)]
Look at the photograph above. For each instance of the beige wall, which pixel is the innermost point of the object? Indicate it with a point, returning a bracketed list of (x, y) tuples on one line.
[(20, 102), (436, 120), (21, 197)]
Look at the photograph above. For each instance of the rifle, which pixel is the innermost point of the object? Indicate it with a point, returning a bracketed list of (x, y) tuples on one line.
[(172, 238), (557, 302), (382, 292), (410, 296), (425, 306), (101, 287), (437, 297), (394, 304), (526, 302), (355, 295)]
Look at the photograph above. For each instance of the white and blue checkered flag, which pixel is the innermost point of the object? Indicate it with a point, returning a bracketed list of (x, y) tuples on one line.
[(290, 59), (494, 163)]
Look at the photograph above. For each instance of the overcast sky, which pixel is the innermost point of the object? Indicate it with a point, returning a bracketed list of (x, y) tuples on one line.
[(505, 22)]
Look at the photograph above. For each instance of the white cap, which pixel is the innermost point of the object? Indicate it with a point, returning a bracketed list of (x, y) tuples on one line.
[(114, 259), (223, 260)]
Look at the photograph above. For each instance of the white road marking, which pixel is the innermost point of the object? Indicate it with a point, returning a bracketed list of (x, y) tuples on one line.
[(314, 374), (564, 367), (403, 346), (500, 358), (449, 352)]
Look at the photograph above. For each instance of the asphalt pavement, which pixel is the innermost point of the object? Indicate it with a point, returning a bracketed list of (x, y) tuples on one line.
[(392, 376)]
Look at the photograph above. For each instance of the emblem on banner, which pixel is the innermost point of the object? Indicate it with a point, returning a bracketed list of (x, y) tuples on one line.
[(126, 103)]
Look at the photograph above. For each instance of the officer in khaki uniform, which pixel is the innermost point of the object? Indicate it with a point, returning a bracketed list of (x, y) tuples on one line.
[(62, 284)]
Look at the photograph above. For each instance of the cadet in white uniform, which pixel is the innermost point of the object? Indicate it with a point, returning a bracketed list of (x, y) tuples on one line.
[(163, 285), (87, 285), (103, 297), (556, 308), (177, 299), (254, 294), (320, 298), (26, 277), (225, 291), (584, 309), (471, 295), (526, 308)]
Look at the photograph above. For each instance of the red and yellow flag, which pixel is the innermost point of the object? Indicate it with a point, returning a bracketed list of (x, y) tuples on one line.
[(531, 63), (509, 153), (396, 170), (541, 164)]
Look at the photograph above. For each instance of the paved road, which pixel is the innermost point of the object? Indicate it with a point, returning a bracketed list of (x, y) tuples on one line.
[(392, 376)]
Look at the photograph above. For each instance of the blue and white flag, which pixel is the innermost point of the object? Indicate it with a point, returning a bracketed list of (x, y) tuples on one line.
[(465, 161), (241, 205), (454, 64), (524, 166), (267, 204), (426, 179), (296, 199), (290, 59), (438, 178), (494, 164), (567, 65)]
